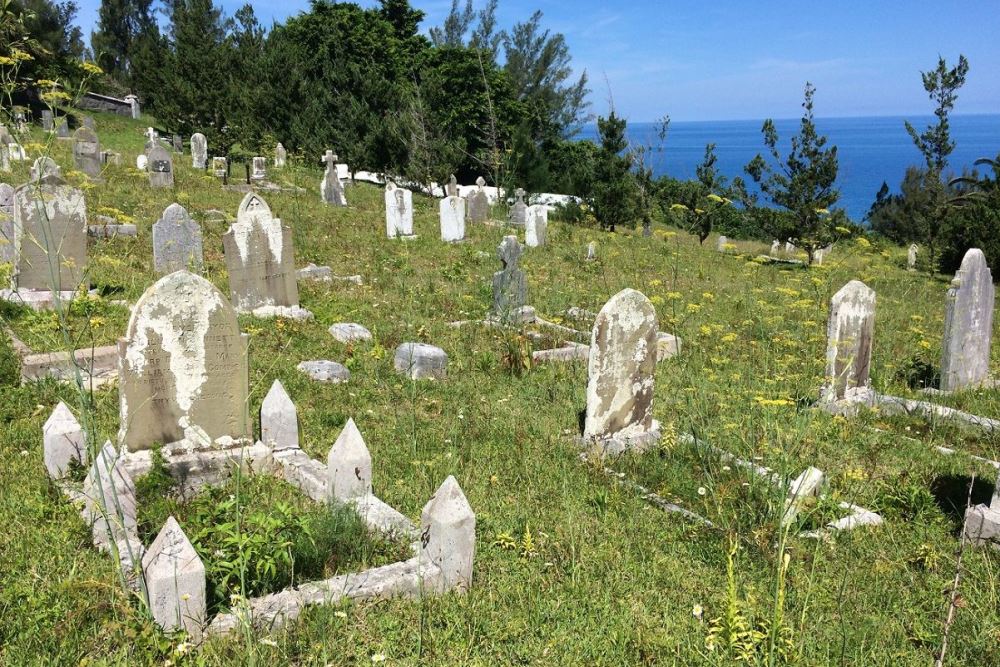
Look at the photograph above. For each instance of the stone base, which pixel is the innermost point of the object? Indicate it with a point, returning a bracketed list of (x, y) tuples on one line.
[(621, 443), (290, 312), (404, 237), (850, 405), (38, 299), (982, 525), (196, 468), (98, 366)]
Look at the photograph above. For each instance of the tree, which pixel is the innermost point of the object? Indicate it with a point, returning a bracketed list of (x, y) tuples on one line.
[(942, 85), (802, 183), (615, 189), (120, 25), (456, 24)]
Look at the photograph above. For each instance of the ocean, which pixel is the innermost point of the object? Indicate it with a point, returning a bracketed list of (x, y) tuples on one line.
[(870, 150)]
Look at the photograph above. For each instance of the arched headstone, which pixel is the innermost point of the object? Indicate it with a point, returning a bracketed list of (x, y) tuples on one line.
[(260, 258)]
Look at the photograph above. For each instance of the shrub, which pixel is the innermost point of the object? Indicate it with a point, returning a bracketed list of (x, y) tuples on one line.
[(10, 362)]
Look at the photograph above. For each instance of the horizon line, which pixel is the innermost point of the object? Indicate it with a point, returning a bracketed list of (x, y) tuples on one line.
[(761, 119)]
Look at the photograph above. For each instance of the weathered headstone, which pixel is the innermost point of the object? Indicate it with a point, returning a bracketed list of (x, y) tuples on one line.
[(62, 129), (64, 442), (331, 191), (448, 527), (911, 257), (775, 248), (623, 355), (452, 213), (260, 258), (161, 168), (968, 325), (133, 103), (220, 167), (48, 121), (789, 248), (451, 190), (45, 166), (510, 285), (177, 143), (50, 235), (7, 248), (141, 162), (175, 581), (176, 242), (536, 226), (109, 495), (199, 150), (721, 244), (592, 251), (479, 203), (280, 156), (850, 333), (398, 211), (90, 123), (349, 466), (519, 211), (183, 368), (420, 361), (279, 424), (258, 171), (87, 152)]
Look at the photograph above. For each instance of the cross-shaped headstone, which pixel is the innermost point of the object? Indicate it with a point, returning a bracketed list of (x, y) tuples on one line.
[(330, 158)]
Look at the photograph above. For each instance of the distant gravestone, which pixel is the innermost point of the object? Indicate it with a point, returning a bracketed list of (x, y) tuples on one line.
[(48, 121), (519, 211), (62, 129), (258, 170), (183, 367), (479, 203), (452, 213), (510, 285), (199, 150), (591, 251), (850, 333), (161, 168), (220, 167), (721, 244), (260, 258), (7, 254), (45, 166), (141, 162), (968, 325), (87, 152), (911, 257), (775, 248), (176, 242), (89, 123), (133, 103), (280, 156), (50, 235), (536, 226), (789, 248), (398, 211), (331, 191), (177, 143), (623, 355), (451, 190)]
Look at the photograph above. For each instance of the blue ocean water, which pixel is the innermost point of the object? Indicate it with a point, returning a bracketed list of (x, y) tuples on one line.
[(870, 150)]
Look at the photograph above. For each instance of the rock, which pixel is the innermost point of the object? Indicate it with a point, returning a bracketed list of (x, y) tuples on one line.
[(349, 332), (349, 466), (325, 371), (420, 361)]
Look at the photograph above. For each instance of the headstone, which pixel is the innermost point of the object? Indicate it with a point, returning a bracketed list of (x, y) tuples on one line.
[(592, 251), (260, 258), (220, 167), (349, 466), (818, 256), (519, 211), (323, 370), (175, 581), (349, 332), (111, 157), (420, 361), (479, 203), (259, 169), (510, 285), (177, 143), (7, 248), (199, 150), (16, 152), (331, 191), (176, 242), (133, 103), (982, 522), (850, 332), (398, 211), (279, 424), (721, 244), (807, 485), (62, 129), (775, 248), (109, 495), (536, 226), (151, 136), (789, 248), (48, 121), (161, 168), (452, 213), (448, 530), (911, 257), (183, 368), (65, 442), (50, 235), (89, 123), (45, 166), (451, 190), (623, 355), (141, 162), (87, 152), (280, 156), (968, 325)]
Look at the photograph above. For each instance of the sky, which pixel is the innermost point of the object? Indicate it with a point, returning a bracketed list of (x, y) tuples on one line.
[(746, 59)]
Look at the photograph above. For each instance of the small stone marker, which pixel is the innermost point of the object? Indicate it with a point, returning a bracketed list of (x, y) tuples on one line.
[(911, 257), (349, 332), (323, 370), (161, 168), (536, 226), (141, 162), (448, 536), (183, 367), (175, 581), (133, 103), (721, 244), (220, 167), (110, 498), (398, 211), (452, 215), (65, 442), (592, 251), (421, 361), (623, 355), (806, 485), (199, 150), (8, 254), (62, 129), (259, 169), (176, 242), (775, 248), (87, 152), (982, 522), (510, 285), (331, 191), (279, 424), (850, 332), (968, 325), (50, 235), (349, 466), (519, 211), (48, 121), (89, 123), (479, 203), (45, 166), (177, 143), (280, 156), (451, 190)]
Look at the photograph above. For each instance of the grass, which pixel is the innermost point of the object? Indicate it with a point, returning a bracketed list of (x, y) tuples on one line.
[(606, 578)]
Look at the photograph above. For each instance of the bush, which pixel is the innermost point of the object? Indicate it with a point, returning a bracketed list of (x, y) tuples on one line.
[(10, 362)]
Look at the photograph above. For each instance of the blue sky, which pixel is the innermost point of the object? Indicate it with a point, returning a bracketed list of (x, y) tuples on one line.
[(745, 59)]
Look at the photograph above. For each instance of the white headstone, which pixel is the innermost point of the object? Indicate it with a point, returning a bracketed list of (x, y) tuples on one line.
[(448, 529), (175, 581), (349, 466), (176, 242), (259, 169), (911, 257), (536, 225), (850, 332), (199, 151), (398, 211), (721, 244), (280, 156), (452, 214), (65, 442), (279, 424)]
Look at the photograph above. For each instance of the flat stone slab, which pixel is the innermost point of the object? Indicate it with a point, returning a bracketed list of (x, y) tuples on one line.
[(349, 332), (289, 312), (99, 366), (325, 371), (420, 361), (37, 299), (109, 231)]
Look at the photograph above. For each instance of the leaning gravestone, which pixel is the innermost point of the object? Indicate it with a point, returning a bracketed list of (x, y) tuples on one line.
[(183, 368), (176, 242), (510, 285), (622, 362), (330, 189), (452, 213), (968, 325), (50, 235), (850, 333), (519, 211), (87, 152), (398, 211), (479, 203), (260, 259), (536, 226), (199, 150), (280, 156), (161, 168)]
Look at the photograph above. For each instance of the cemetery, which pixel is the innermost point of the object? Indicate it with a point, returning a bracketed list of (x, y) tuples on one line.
[(307, 419)]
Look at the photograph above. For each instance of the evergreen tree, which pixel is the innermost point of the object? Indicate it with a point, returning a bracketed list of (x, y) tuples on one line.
[(120, 25), (615, 191)]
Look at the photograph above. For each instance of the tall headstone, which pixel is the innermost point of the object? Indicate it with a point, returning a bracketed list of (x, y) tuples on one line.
[(260, 258), (199, 150), (451, 190), (50, 235), (452, 213), (48, 121), (850, 332), (183, 371), (398, 211), (7, 254), (175, 581), (510, 285), (519, 211), (968, 325), (133, 103), (331, 191), (536, 226), (280, 156), (176, 242), (911, 257), (258, 171), (622, 362), (87, 152), (479, 202), (177, 143), (161, 168)]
